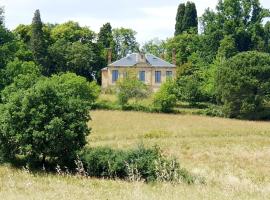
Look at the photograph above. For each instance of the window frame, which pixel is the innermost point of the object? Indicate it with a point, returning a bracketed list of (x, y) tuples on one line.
[(115, 75), (169, 74), (142, 72), (157, 76)]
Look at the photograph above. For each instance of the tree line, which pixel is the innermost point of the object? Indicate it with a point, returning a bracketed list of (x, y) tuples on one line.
[(206, 48)]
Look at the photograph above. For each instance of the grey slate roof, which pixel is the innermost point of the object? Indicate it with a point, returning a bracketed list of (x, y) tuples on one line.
[(134, 58)]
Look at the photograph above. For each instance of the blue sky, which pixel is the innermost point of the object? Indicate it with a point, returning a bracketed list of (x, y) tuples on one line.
[(150, 18)]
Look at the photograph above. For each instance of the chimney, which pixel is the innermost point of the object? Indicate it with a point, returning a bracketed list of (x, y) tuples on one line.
[(174, 56), (162, 56), (109, 52)]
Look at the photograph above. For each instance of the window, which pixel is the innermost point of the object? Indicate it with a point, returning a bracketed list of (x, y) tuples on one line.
[(125, 74), (114, 75), (168, 74), (142, 76), (158, 76)]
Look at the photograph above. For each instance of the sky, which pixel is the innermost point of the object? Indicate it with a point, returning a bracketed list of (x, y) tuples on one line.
[(149, 18)]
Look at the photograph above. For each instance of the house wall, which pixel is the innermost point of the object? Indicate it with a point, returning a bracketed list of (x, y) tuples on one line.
[(149, 74)]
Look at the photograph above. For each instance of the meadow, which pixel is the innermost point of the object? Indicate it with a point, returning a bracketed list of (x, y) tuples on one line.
[(233, 157)]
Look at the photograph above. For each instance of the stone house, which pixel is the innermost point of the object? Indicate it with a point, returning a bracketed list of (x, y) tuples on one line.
[(150, 69)]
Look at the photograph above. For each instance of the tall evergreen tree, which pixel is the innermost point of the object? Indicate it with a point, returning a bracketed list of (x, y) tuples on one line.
[(1, 16), (38, 43), (190, 19), (179, 19), (105, 37)]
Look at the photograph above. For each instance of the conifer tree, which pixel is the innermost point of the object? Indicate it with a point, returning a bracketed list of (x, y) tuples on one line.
[(105, 37), (38, 43), (190, 20), (179, 19)]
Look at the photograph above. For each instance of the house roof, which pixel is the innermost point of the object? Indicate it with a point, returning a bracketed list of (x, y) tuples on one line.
[(134, 58)]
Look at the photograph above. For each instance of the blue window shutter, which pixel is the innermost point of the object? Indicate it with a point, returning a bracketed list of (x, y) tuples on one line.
[(158, 76), (142, 76), (114, 75)]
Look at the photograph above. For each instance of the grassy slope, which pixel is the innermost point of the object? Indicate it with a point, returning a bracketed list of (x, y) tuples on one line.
[(233, 156)]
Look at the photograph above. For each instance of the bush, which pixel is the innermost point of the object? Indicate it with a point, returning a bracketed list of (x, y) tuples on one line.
[(165, 98), (48, 121), (130, 87), (243, 84), (141, 163)]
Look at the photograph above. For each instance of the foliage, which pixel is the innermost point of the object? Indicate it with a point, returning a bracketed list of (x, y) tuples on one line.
[(47, 121), (38, 44), (72, 32), (243, 85), (155, 47), (125, 41), (239, 18), (130, 87), (16, 68), (184, 44), (138, 164), (165, 98), (186, 18), (179, 19), (190, 19)]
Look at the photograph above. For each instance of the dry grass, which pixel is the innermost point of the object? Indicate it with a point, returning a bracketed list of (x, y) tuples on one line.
[(233, 156)]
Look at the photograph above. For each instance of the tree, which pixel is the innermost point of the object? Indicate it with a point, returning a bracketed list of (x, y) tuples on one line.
[(7, 47), (179, 19), (155, 47), (1, 16), (15, 69), (190, 19), (239, 18), (105, 37), (165, 98), (243, 84), (72, 32), (227, 48), (130, 87), (125, 41), (184, 44), (48, 121), (38, 44)]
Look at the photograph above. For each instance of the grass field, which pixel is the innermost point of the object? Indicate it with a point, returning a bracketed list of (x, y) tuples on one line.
[(233, 156)]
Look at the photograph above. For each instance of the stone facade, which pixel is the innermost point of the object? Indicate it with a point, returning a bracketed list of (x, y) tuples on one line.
[(151, 70)]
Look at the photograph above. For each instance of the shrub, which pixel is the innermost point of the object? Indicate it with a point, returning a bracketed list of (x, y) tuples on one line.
[(165, 98), (145, 164), (130, 87), (243, 84), (47, 121)]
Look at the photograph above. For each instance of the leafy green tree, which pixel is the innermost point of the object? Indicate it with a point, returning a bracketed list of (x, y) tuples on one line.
[(48, 121), (227, 47), (130, 87), (155, 47), (239, 18), (72, 32), (179, 19), (38, 43), (184, 44), (243, 84), (190, 19), (165, 99), (125, 41), (16, 68)]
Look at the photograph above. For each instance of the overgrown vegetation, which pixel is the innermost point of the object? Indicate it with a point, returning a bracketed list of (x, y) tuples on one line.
[(135, 165), (47, 121)]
